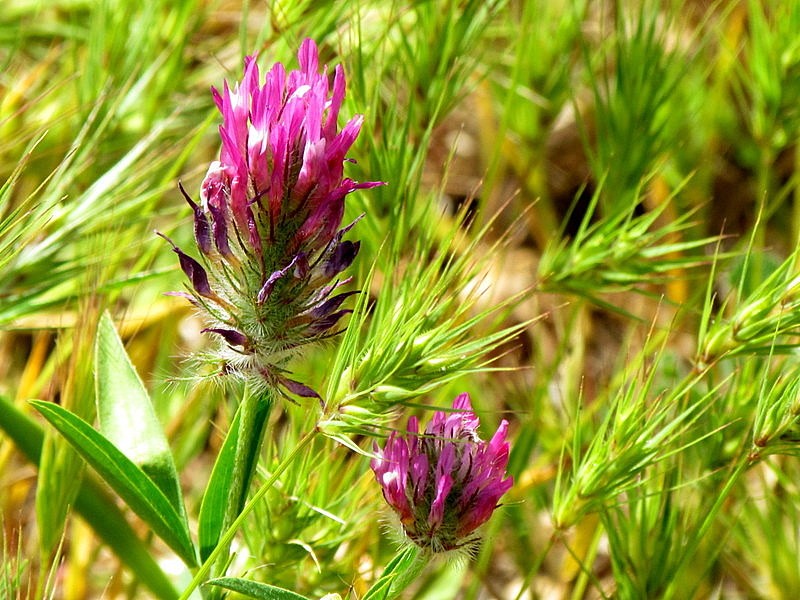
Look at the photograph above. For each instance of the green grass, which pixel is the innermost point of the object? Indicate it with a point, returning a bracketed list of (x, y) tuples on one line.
[(590, 224)]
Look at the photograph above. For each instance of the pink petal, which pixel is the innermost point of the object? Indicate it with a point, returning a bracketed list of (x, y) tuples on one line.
[(308, 56)]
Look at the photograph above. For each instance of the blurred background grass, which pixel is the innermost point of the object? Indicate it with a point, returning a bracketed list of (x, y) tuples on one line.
[(641, 158)]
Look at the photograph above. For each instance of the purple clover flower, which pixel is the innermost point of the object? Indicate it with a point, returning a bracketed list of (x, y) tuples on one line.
[(269, 224), (445, 483)]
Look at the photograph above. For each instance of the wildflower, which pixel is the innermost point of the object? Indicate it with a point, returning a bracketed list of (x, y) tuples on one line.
[(445, 483), (269, 223)]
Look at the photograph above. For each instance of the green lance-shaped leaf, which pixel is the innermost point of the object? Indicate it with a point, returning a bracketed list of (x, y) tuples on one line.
[(125, 478), (253, 589), (94, 505), (126, 414)]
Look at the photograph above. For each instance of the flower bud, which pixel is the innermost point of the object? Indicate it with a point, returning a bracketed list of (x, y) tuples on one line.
[(445, 483)]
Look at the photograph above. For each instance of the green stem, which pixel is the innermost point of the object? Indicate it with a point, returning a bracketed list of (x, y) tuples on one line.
[(764, 198), (796, 203), (253, 416), (585, 574), (252, 425), (226, 539)]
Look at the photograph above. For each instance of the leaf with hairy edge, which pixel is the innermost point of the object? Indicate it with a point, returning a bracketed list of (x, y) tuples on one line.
[(128, 480), (253, 589), (126, 414), (93, 504)]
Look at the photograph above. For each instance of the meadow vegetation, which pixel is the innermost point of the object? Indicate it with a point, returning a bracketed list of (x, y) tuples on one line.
[(590, 223)]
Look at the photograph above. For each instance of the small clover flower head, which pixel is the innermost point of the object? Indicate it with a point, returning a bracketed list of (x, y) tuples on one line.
[(445, 483), (268, 226)]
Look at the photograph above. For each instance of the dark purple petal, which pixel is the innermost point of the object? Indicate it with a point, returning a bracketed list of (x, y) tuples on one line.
[(297, 388), (193, 270), (322, 325), (233, 337), (330, 305), (202, 229), (342, 257), (324, 291), (220, 227), (215, 192), (269, 284), (252, 230)]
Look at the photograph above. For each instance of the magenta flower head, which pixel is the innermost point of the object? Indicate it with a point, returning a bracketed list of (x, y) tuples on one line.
[(269, 223), (445, 483)]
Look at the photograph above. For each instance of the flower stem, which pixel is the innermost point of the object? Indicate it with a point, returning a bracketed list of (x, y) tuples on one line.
[(253, 416), (252, 425)]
